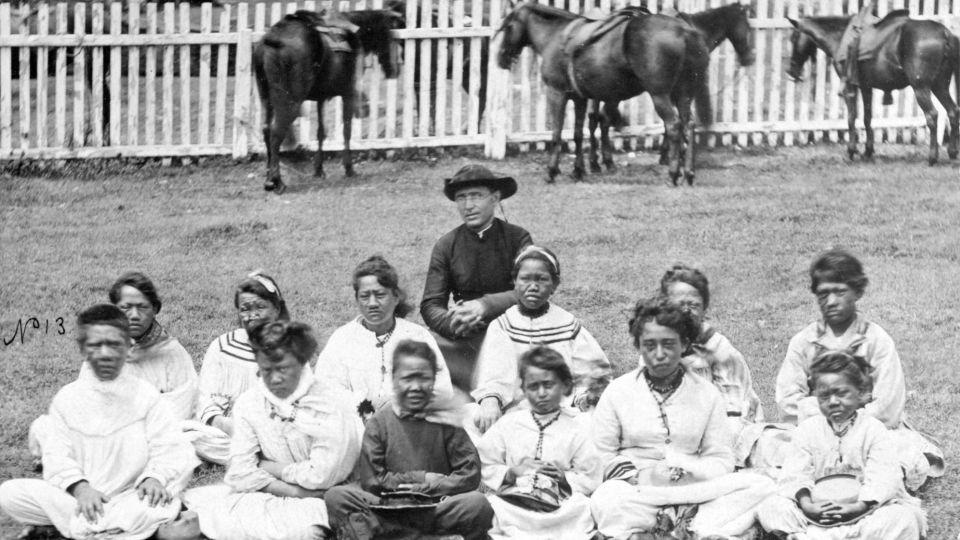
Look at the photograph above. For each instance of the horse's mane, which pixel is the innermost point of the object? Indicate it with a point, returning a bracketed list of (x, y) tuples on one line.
[(708, 14), (550, 12), (305, 16), (831, 23), (375, 26)]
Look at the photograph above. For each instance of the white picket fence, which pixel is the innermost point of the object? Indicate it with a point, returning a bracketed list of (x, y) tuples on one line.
[(180, 83)]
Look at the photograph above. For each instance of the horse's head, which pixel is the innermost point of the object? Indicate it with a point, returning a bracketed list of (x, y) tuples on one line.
[(740, 34), (513, 36), (803, 47), (376, 36)]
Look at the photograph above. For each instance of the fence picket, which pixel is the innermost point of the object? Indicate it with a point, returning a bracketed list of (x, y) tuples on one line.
[(167, 75), (241, 103), (203, 122), (25, 89), (133, 76), (79, 87), (43, 63), (150, 79), (440, 125), (6, 82)]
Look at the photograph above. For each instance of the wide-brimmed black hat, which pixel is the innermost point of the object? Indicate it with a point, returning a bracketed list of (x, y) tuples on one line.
[(478, 175)]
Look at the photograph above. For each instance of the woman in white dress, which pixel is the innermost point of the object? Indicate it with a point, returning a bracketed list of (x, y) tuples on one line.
[(358, 355), (294, 437), (711, 355), (114, 458), (532, 322), (541, 453), (663, 437), (229, 367)]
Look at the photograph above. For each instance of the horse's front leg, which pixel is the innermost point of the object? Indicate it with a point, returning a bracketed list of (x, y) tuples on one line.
[(349, 101), (579, 114), (605, 124), (277, 119), (671, 122), (853, 138), (687, 138), (930, 112), (556, 103), (867, 95), (594, 120), (318, 159)]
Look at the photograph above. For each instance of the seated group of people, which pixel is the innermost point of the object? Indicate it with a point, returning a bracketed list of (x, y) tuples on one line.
[(375, 437)]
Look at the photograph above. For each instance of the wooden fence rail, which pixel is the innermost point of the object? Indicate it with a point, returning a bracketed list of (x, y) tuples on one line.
[(147, 79)]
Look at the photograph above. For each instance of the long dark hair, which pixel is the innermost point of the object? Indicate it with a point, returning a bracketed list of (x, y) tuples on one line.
[(386, 275), (140, 282), (265, 287)]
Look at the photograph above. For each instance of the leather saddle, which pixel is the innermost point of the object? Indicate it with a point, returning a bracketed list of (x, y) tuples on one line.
[(583, 32), (874, 35)]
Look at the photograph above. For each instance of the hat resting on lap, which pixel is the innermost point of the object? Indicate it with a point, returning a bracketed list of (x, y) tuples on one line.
[(478, 175)]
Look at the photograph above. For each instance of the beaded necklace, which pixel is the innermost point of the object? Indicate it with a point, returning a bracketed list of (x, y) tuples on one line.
[(660, 395), (542, 427), (840, 433), (382, 340)]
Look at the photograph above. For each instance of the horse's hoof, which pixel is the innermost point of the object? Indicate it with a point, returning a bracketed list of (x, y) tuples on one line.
[(270, 185), (552, 175), (673, 177), (932, 161), (280, 188), (690, 176), (664, 160), (595, 167), (350, 173), (611, 166), (952, 155), (577, 175)]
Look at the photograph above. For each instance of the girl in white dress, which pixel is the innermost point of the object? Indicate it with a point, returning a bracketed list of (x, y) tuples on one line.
[(843, 439), (532, 322), (541, 452), (358, 355), (229, 367), (294, 437)]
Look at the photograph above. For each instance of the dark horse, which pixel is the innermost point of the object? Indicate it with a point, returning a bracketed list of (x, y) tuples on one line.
[(294, 63), (730, 22), (925, 56), (641, 53)]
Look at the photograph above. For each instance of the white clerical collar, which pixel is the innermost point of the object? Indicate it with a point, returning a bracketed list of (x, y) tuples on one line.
[(483, 230)]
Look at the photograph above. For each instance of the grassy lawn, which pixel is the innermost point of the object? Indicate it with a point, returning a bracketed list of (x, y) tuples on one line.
[(753, 223)]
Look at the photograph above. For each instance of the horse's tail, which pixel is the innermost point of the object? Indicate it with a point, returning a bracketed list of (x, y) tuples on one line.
[(698, 61), (956, 66)]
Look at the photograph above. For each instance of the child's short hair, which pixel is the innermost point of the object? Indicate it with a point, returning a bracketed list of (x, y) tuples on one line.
[(681, 273), (837, 266), (419, 349), (546, 359), (855, 368)]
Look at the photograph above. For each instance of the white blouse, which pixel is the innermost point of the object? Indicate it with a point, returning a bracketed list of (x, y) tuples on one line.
[(354, 359), (114, 435), (228, 370), (315, 430)]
